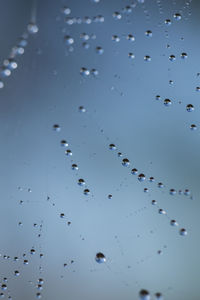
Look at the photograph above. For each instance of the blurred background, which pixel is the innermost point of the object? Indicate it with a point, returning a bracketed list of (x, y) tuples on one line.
[(77, 77)]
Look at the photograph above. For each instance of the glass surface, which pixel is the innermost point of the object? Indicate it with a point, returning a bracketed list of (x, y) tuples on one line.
[(100, 149)]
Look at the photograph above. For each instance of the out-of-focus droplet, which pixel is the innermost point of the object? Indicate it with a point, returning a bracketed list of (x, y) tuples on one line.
[(158, 97), (130, 37), (82, 109), (10, 64), (144, 295), (198, 88), (99, 50), (1, 84), (100, 258), (68, 40), (131, 55), (94, 72), (32, 28), (183, 231), (117, 15), (158, 296), (109, 196), (115, 38), (153, 202), (66, 10), (173, 223), (84, 72)]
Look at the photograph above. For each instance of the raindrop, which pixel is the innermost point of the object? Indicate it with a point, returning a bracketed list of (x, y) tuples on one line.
[(184, 55), (56, 127), (183, 231), (172, 191), (158, 97), (144, 295), (162, 211), (1, 84), (148, 33), (66, 10), (177, 16), (62, 215), (187, 192), (82, 109), (115, 38), (68, 40), (84, 72), (153, 202), (189, 107), (131, 55), (167, 102), (86, 191), (16, 273), (10, 63), (125, 162), (117, 16), (94, 72), (112, 147), (198, 88), (172, 57), (74, 167), (141, 177), (109, 196), (64, 143), (147, 58), (100, 258), (158, 296), (168, 22), (99, 50), (146, 190), (38, 295), (160, 185), (130, 37), (32, 28), (193, 127), (81, 182), (151, 179), (68, 152), (134, 171), (173, 223)]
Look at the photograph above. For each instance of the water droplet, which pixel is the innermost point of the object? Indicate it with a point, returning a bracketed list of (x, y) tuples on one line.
[(100, 258), (66, 10), (94, 72), (141, 177), (86, 191), (189, 107), (56, 127), (151, 179), (162, 211), (147, 58), (110, 196), (193, 127), (38, 295), (130, 37), (82, 109), (32, 251), (173, 223), (183, 231), (62, 215), (198, 88), (134, 171), (115, 38), (4, 287), (172, 191), (167, 102), (99, 50), (177, 16), (32, 28), (187, 192), (117, 16), (68, 152), (144, 295), (184, 55), (68, 40), (5, 72), (148, 33), (168, 22), (81, 182), (84, 72), (153, 202), (112, 147), (64, 143), (160, 185), (125, 162), (146, 190), (158, 97), (172, 57), (131, 55), (10, 63), (158, 296), (1, 84), (74, 167), (16, 273)]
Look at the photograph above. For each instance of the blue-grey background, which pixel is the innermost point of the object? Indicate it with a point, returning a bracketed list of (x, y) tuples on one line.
[(47, 89)]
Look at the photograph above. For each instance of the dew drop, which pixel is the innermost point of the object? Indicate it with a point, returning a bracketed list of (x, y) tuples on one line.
[(141, 177), (189, 107), (125, 162), (100, 258)]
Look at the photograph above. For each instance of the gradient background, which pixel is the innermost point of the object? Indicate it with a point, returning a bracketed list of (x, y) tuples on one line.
[(47, 89)]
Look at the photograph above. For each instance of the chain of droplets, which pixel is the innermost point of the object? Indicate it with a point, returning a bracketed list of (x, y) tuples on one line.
[(10, 64)]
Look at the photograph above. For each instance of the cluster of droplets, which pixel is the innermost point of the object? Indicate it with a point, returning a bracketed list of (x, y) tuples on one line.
[(145, 295)]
